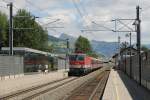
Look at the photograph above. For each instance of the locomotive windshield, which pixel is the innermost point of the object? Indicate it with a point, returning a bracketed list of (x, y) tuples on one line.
[(76, 57)]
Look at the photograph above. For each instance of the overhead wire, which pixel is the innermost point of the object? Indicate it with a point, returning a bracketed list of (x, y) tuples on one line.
[(14, 6), (47, 17), (3, 7), (85, 11), (79, 11), (145, 9), (5, 3), (32, 4), (93, 22), (125, 25)]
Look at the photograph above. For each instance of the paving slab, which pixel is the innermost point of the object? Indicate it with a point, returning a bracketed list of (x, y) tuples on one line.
[(26, 81), (121, 87)]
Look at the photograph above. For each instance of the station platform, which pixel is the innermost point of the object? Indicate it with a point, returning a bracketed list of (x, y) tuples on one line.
[(120, 87), (11, 85)]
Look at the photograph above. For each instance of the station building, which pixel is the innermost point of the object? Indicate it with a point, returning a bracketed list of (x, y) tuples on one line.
[(36, 60)]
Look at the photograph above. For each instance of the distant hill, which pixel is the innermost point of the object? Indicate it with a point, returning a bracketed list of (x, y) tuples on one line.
[(55, 41), (71, 39), (64, 36), (102, 47), (105, 48), (52, 38), (147, 45), (58, 44)]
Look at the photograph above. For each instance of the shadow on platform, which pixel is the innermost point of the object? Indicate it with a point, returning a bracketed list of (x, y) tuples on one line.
[(136, 91)]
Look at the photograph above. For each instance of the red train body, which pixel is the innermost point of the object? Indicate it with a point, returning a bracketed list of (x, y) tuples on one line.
[(80, 64)]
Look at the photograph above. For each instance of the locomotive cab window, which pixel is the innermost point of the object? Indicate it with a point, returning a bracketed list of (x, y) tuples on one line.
[(80, 57), (76, 57)]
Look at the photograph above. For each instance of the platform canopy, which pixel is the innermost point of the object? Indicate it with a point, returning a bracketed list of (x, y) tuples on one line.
[(29, 50)]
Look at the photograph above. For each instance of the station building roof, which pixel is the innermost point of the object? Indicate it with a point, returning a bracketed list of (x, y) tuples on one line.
[(25, 49)]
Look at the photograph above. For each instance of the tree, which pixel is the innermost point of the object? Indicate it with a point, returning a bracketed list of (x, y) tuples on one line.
[(124, 45), (144, 48), (94, 54), (36, 37), (82, 44), (50, 48), (33, 36), (3, 29)]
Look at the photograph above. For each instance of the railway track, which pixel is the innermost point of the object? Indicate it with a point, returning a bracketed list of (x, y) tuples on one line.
[(28, 94), (57, 90), (91, 90)]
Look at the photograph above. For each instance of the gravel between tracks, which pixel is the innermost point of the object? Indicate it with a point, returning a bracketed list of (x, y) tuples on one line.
[(20, 95), (60, 92)]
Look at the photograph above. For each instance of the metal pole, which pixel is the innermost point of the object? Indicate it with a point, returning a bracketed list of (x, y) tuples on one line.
[(139, 40), (119, 58), (130, 57), (67, 53), (125, 56), (118, 44), (11, 28)]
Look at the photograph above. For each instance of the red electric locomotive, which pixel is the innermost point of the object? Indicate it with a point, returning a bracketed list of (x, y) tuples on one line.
[(81, 64)]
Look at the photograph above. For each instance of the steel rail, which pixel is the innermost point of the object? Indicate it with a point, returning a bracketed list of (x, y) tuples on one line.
[(30, 89)]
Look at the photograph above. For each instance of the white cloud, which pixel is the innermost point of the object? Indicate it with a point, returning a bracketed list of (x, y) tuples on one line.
[(99, 11)]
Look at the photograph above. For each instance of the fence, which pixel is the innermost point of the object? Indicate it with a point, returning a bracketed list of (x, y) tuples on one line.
[(63, 64), (11, 66), (134, 70)]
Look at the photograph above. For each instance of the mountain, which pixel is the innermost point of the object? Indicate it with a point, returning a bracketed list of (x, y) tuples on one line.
[(64, 36), (55, 41), (147, 45), (52, 38), (71, 39), (102, 47), (105, 48), (58, 44)]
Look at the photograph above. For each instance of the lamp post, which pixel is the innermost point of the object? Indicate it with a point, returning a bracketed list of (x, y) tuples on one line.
[(125, 57), (51, 22), (119, 55), (137, 24), (10, 28), (67, 52), (129, 35)]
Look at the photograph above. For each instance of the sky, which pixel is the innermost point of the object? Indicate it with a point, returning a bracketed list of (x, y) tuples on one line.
[(86, 17)]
